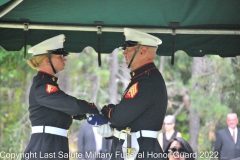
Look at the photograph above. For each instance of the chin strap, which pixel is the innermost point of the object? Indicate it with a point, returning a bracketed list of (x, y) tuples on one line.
[(49, 58), (138, 46)]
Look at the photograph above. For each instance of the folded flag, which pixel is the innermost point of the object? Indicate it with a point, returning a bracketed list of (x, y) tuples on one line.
[(97, 120)]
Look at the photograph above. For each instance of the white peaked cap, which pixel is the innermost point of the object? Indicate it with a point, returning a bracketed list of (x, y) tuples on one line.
[(53, 43), (141, 37)]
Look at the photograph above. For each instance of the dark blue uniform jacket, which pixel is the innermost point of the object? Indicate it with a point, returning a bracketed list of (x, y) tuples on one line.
[(142, 107), (49, 106)]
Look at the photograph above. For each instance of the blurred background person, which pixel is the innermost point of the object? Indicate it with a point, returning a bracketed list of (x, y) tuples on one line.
[(169, 133), (91, 142), (227, 143), (179, 149)]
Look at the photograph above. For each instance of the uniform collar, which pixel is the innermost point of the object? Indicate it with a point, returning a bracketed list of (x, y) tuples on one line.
[(141, 69), (45, 74)]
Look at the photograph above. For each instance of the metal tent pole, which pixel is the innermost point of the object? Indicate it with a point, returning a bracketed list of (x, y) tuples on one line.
[(10, 7), (120, 29)]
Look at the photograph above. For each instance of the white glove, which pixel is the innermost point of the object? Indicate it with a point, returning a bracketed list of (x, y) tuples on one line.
[(105, 130)]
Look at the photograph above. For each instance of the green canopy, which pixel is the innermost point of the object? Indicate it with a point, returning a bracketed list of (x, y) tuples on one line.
[(197, 27)]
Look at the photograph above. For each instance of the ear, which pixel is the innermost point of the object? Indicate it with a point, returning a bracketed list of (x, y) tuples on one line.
[(143, 50), (46, 60)]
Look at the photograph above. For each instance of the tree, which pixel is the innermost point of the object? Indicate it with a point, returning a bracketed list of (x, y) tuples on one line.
[(14, 75), (205, 88), (200, 86)]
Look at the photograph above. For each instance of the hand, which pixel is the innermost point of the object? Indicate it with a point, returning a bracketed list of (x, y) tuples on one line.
[(105, 111), (93, 109), (96, 120), (105, 130), (80, 117)]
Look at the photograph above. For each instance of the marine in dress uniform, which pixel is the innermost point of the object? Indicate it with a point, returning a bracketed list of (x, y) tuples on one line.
[(143, 105), (51, 110)]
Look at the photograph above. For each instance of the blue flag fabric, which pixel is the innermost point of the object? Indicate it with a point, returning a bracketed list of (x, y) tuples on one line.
[(97, 120)]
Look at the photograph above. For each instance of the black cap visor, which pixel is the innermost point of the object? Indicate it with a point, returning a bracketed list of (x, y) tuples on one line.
[(129, 44), (60, 51)]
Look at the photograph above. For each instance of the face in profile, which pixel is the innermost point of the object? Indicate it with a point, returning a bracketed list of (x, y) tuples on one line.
[(58, 62), (128, 54), (176, 152)]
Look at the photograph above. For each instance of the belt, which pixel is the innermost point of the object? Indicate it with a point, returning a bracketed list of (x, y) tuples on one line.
[(144, 133), (50, 130)]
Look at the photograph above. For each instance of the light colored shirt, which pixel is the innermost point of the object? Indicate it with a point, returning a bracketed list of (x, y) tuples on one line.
[(236, 132), (98, 140)]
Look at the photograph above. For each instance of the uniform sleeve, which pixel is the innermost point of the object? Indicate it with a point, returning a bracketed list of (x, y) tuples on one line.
[(137, 100), (218, 144), (58, 100), (80, 117)]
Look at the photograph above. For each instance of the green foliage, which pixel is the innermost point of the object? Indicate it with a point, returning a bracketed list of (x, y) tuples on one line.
[(217, 95), (181, 70), (207, 97), (13, 73), (84, 69), (182, 124)]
